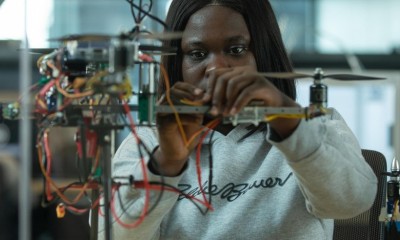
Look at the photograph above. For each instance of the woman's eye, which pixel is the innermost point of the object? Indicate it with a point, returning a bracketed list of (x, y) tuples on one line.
[(237, 50), (197, 54)]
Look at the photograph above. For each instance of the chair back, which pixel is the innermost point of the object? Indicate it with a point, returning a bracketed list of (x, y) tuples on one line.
[(366, 226)]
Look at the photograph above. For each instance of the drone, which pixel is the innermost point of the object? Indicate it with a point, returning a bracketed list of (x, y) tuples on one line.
[(85, 83), (114, 55), (256, 113)]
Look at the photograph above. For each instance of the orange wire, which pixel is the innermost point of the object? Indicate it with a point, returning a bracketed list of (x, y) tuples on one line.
[(208, 125), (171, 104), (191, 103), (68, 95), (50, 181)]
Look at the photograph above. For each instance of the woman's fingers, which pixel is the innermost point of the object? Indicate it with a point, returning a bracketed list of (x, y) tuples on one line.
[(182, 90), (234, 88), (220, 97), (251, 93), (231, 89), (212, 79)]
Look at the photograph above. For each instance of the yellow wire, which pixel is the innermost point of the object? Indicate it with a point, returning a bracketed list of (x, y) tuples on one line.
[(273, 117), (191, 103), (185, 101), (73, 96), (171, 104), (96, 77), (39, 60)]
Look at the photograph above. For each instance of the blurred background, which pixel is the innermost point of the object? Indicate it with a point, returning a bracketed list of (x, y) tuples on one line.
[(341, 36)]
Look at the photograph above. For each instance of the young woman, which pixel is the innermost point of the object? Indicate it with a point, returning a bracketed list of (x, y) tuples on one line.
[(287, 179)]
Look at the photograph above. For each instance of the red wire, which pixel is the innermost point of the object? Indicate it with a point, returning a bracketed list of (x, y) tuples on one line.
[(141, 184), (46, 88), (119, 221), (147, 186), (49, 158), (198, 167), (145, 178)]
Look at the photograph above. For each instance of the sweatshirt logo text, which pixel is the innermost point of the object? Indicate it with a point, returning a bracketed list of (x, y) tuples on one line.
[(231, 191)]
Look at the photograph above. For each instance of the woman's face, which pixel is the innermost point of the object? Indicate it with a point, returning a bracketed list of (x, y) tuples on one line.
[(214, 37)]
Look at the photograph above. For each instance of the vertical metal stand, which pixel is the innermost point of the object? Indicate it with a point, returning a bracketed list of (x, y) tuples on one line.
[(25, 139), (94, 216), (396, 132), (106, 140)]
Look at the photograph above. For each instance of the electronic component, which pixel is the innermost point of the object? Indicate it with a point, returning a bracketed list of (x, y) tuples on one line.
[(390, 214), (393, 187), (11, 111), (318, 91), (147, 98), (60, 210)]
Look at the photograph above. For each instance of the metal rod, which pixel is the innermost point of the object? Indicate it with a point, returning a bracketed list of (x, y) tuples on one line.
[(25, 201), (83, 140), (106, 142), (94, 218)]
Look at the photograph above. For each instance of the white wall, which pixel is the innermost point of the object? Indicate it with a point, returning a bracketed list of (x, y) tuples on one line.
[(358, 25), (369, 107)]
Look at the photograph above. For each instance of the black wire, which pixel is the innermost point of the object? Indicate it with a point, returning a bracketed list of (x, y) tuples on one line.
[(148, 14), (181, 193), (101, 99), (210, 174), (56, 198), (163, 184), (162, 189), (136, 20), (140, 15), (140, 18), (141, 145), (124, 210)]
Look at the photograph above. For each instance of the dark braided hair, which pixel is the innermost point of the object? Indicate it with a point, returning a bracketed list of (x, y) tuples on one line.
[(266, 41)]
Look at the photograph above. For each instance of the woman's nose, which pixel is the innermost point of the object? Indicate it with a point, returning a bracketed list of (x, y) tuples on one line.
[(217, 61)]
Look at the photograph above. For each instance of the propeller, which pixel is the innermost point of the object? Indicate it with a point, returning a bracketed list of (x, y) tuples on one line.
[(286, 75), (318, 91), (150, 49), (84, 37), (319, 74), (41, 51), (161, 35), (107, 37), (158, 50)]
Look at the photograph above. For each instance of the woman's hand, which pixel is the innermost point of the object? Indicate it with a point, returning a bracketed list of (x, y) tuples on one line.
[(230, 89), (174, 148)]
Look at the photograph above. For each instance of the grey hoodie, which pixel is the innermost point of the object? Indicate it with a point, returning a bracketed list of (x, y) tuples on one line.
[(261, 188)]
